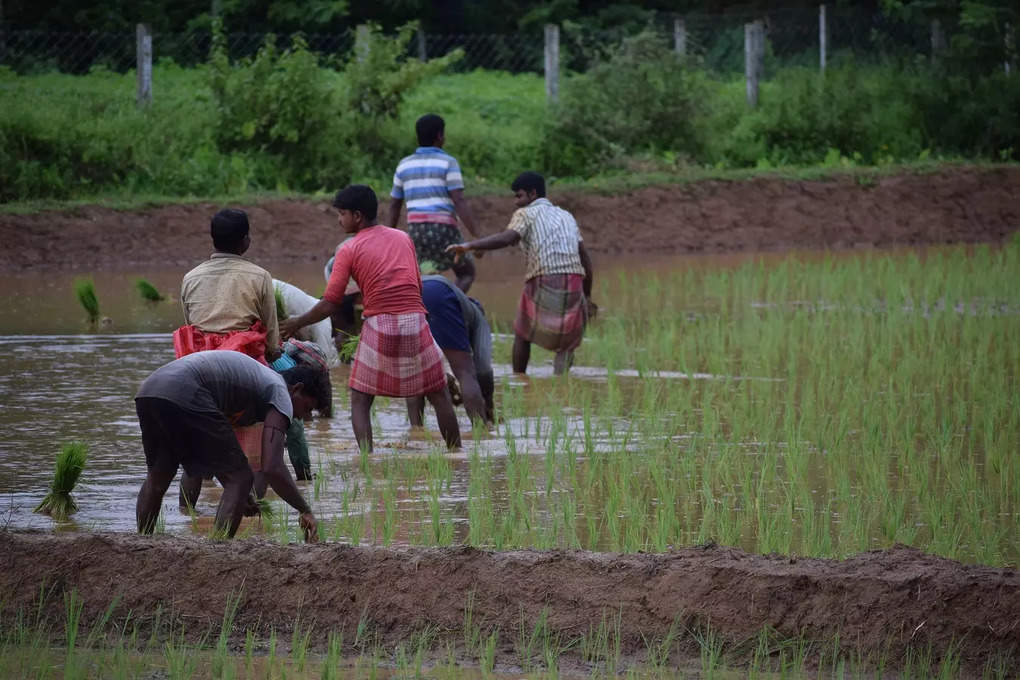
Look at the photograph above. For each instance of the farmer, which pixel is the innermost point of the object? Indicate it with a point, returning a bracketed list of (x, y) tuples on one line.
[(460, 329), (296, 302), (396, 355), (429, 180), (556, 301), (187, 410), (228, 301)]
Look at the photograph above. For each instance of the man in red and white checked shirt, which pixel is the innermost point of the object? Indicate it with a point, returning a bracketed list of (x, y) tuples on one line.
[(396, 356)]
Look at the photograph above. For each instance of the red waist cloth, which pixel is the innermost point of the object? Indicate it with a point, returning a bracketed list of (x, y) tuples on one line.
[(189, 339)]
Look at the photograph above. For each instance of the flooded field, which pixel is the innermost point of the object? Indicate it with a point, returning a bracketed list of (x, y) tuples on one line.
[(799, 405)]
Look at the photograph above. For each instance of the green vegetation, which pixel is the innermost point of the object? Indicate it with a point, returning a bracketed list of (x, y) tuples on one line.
[(818, 406), (148, 291), (313, 125), (58, 503), (85, 291)]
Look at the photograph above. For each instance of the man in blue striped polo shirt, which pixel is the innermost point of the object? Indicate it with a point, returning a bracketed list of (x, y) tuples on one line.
[(429, 180)]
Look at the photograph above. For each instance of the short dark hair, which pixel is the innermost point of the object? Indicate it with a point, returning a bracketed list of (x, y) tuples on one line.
[(529, 181), (228, 228), (315, 383), (429, 128), (358, 197)]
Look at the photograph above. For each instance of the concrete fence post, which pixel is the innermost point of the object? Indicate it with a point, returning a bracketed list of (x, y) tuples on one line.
[(143, 51), (823, 38), (217, 8), (938, 39), (361, 42), (552, 62), (1010, 39), (680, 37), (423, 54), (754, 54)]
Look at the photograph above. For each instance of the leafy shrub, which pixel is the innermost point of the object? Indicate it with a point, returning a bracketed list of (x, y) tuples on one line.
[(638, 98)]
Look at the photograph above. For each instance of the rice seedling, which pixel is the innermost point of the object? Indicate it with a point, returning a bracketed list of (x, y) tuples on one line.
[(148, 291), (348, 348), (58, 503), (85, 291), (281, 310)]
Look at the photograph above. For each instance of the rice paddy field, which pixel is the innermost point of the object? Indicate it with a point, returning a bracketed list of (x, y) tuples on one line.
[(808, 405)]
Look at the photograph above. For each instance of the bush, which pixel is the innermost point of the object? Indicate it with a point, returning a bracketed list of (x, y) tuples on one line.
[(639, 98)]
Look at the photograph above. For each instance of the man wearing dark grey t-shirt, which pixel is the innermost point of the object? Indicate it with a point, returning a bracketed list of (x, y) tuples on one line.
[(187, 410)]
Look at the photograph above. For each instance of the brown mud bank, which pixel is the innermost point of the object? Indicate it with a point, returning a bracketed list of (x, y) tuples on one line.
[(953, 205), (880, 604)]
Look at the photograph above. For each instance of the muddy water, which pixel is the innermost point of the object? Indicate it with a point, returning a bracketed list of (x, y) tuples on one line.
[(61, 380)]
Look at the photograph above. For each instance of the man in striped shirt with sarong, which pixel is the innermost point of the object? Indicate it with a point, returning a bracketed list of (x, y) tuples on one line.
[(556, 301), (430, 181)]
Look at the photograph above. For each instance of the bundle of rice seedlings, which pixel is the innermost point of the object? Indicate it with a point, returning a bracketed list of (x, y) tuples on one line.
[(147, 291), (281, 312), (349, 347), (58, 503), (265, 509), (85, 289)]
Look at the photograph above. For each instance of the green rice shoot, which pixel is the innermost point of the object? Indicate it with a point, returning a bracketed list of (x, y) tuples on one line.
[(266, 511), (85, 290), (58, 503), (148, 291), (349, 347), (281, 311)]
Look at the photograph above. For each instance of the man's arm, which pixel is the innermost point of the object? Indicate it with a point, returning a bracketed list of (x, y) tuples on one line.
[(274, 434), (507, 237), (393, 216), (589, 273), (460, 205), (268, 316), (322, 309)]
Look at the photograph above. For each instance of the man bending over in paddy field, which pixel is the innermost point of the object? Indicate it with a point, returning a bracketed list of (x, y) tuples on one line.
[(396, 355), (462, 332), (187, 410), (556, 301)]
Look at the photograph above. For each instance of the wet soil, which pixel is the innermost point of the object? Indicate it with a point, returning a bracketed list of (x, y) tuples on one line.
[(954, 205), (879, 604)]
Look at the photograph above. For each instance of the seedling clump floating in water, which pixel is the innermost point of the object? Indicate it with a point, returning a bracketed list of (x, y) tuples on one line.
[(85, 290), (148, 291), (58, 503)]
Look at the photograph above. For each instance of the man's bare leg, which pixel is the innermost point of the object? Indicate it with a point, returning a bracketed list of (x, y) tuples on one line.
[(150, 498), (563, 361), (440, 400), (416, 411), (521, 354), (191, 488), (236, 486), (361, 418)]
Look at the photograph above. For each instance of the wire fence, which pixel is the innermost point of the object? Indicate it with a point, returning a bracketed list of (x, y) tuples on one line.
[(714, 41)]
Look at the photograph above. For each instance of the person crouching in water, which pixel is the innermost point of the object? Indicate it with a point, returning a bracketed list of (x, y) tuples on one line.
[(556, 301), (396, 356), (187, 410)]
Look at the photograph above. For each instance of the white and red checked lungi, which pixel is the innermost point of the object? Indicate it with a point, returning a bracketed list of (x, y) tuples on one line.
[(552, 312), (397, 357)]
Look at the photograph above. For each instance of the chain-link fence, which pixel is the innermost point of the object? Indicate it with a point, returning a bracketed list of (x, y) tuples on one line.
[(715, 41)]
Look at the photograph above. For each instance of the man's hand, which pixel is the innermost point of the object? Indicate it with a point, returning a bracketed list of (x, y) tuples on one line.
[(310, 526), (288, 328), (592, 309), (458, 250)]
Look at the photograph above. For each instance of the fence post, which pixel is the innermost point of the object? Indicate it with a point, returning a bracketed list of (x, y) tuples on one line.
[(552, 62), (754, 53), (361, 42), (823, 37), (143, 50), (938, 39), (422, 52), (1010, 49), (680, 37), (217, 8)]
